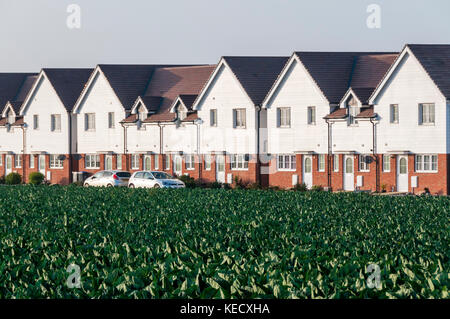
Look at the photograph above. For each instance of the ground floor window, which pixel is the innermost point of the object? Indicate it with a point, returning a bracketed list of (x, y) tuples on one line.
[(189, 161), (92, 161), (321, 163), (364, 161), (239, 161), (207, 162), (386, 163), (1, 160), (286, 162), (426, 163), (31, 165), (18, 160), (135, 161), (156, 161), (167, 162), (119, 161), (336, 163), (56, 161)]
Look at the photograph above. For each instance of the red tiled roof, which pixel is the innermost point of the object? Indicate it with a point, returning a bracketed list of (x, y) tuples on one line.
[(366, 113), (3, 121), (19, 121), (191, 117), (130, 119), (338, 114)]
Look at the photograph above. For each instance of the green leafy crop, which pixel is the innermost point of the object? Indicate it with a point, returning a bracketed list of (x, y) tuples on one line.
[(216, 243)]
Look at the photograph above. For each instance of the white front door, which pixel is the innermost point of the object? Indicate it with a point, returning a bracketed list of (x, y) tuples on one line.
[(42, 164), (349, 178), (177, 165), (8, 166), (108, 162), (402, 174), (307, 171), (220, 168)]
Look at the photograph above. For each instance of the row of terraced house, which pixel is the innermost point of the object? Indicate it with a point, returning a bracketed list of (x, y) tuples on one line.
[(343, 120)]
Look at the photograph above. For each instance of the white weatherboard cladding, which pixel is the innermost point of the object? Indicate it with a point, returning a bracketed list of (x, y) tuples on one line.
[(225, 94), (297, 91), (101, 100), (45, 102), (181, 139), (11, 141), (143, 140), (357, 138), (409, 86)]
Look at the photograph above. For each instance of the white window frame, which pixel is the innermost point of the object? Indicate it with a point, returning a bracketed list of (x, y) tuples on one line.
[(35, 121), (55, 162), (393, 114), (311, 115), (135, 161), (119, 161), (207, 162), (284, 117), (213, 117), (321, 163), (18, 161), (426, 163), (167, 162), (92, 161), (239, 162), (89, 122), (31, 163), (286, 162), (1, 160), (156, 161), (363, 166), (386, 163), (189, 162), (336, 162), (55, 122), (111, 123), (240, 118), (427, 115)]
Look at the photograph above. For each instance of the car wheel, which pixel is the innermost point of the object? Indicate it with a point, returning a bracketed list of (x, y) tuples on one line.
[(157, 186), (86, 185), (109, 185), (131, 186)]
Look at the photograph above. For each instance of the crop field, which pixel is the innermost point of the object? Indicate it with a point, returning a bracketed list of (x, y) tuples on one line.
[(205, 243)]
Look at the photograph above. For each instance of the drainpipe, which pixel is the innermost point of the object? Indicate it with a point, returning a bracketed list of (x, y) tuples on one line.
[(70, 148), (374, 152), (161, 144), (330, 151), (125, 150), (198, 122), (258, 162)]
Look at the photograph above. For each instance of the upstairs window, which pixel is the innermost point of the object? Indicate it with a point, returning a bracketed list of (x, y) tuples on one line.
[(11, 117), (111, 120), (394, 113), (426, 113), (284, 117), (311, 115), (213, 117), (353, 110), (35, 121), (56, 122), (142, 113), (239, 118), (89, 121), (239, 161)]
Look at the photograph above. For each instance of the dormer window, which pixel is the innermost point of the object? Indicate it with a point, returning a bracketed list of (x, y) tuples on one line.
[(11, 117), (142, 113), (181, 112), (353, 109)]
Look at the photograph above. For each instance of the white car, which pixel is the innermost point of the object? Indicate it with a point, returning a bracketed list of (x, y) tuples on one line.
[(154, 179), (108, 179)]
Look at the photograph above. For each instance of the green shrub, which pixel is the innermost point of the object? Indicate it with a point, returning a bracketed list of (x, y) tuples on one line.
[(239, 183), (300, 187), (13, 179), (213, 185), (2, 180), (254, 186), (189, 181), (36, 178), (317, 188)]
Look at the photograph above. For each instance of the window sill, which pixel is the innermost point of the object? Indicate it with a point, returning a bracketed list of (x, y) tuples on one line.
[(58, 168), (426, 172), (364, 171), (283, 127), (427, 124), (92, 168), (239, 169)]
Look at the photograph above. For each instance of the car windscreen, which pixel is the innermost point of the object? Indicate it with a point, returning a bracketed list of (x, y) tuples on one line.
[(123, 174), (161, 175)]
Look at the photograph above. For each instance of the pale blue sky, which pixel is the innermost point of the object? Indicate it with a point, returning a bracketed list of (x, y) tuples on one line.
[(33, 33)]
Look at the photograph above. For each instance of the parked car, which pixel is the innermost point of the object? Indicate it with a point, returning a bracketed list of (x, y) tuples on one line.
[(154, 179), (108, 178)]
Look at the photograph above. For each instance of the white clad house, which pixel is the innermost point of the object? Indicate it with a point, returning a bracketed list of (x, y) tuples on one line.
[(413, 135), (13, 89), (50, 127), (162, 126), (229, 107), (309, 134), (108, 99)]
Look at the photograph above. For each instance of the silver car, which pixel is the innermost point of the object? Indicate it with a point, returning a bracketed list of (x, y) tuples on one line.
[(108, 179), (154, 179)]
